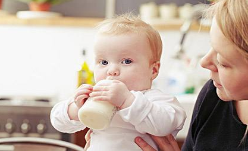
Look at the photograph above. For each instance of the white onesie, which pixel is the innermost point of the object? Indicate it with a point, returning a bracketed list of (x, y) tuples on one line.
[(151, 112)]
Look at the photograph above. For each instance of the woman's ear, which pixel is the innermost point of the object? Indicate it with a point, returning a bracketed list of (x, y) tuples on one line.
[(155, 69)]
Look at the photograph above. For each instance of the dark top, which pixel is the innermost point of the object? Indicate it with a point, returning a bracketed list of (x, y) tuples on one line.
[(215, 125)]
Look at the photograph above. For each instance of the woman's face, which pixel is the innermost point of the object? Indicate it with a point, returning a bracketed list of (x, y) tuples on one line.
[(228, 68)]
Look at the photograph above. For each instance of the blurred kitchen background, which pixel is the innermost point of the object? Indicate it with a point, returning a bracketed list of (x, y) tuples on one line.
[(40, 56), (95, 8)]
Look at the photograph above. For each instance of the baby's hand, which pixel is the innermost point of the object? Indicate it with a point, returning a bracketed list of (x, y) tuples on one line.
[(82, 94), (113, 91)]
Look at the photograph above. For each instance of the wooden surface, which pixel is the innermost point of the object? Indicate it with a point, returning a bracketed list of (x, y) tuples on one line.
[(58, 21), (92, 22)]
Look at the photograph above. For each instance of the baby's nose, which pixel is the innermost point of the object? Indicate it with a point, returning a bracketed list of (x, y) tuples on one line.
[(113, 71)]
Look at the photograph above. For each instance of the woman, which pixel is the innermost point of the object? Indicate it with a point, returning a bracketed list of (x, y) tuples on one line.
[(220, 117)]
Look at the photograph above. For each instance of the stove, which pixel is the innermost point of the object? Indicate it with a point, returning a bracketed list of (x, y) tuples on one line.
[(28, 117)]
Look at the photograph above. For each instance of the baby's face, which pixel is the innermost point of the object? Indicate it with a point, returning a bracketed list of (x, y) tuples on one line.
[(125, 57)]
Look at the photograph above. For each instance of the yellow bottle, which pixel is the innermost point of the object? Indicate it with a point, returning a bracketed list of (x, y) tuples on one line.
[(85, 75)]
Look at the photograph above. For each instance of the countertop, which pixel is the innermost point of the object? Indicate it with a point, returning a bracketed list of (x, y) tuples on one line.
[(92, 22), (58, 21), (187, 101)]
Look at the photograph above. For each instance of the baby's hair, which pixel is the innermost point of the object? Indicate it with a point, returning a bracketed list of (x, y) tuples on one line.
[(232, 18), (129, 23)]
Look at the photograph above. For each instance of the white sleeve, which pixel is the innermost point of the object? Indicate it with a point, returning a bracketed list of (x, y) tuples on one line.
[(60, 119), (155, 113)]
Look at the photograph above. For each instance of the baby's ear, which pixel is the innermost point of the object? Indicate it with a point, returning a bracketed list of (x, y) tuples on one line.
[(155, 69)]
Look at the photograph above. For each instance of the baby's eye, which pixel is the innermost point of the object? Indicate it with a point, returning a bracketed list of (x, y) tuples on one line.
[(104, 62), (127, 61)]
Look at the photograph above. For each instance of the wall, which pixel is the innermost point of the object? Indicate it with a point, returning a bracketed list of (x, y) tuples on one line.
[(37, 60), (42, 61)]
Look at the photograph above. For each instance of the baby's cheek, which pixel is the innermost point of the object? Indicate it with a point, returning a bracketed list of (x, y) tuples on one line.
[(98, 77), (133, 84)]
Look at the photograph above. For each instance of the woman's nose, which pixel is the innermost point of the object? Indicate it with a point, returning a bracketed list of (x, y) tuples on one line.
[(208, 61), (113, 71)]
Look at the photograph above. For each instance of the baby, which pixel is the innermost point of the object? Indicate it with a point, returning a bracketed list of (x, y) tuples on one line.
[(128, 51)]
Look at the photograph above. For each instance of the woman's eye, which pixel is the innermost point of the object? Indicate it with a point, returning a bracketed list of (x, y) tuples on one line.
[(104, 62), (221, 65), (127, 61)]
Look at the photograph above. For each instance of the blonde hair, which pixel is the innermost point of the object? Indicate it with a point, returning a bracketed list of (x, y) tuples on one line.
[(128, 23), (232, 18)]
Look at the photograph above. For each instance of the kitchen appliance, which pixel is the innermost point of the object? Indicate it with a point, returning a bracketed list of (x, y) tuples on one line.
[(28, 117)]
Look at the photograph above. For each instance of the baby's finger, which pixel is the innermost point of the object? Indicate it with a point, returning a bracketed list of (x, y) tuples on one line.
[(98, 93), (87, 145), (101, 88), (87, 135), (87, 138), (79, 101), (100, 98), (86, 86), (82, 92)]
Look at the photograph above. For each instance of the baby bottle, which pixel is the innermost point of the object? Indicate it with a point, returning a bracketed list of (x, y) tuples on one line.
[(96, 114)]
